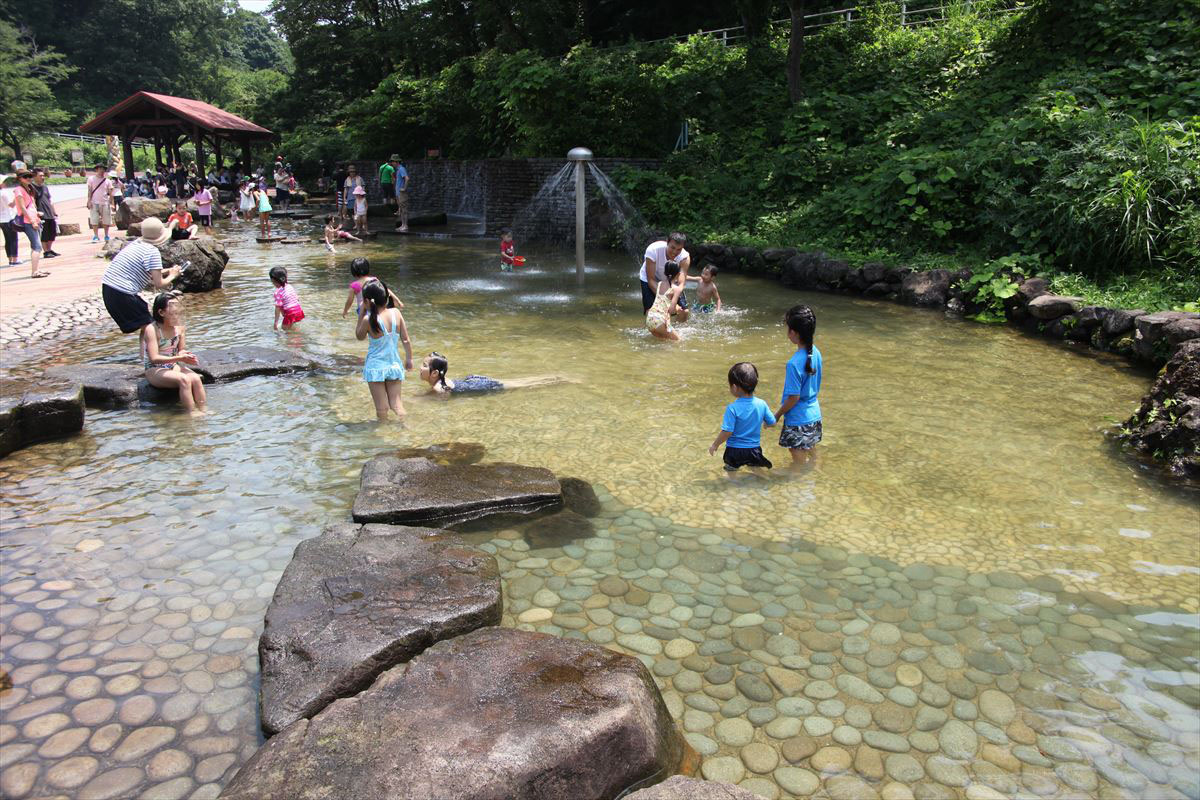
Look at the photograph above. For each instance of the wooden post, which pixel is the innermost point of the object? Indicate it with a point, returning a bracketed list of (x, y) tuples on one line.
[(198, 138), (246, 168), (217, 151), (127, 151), (157, 151)]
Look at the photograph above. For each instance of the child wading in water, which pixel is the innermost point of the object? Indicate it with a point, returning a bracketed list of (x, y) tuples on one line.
[(508, 251), (743, 421), (287, 302), (435, 366), (165, 356), (360, 270), (334, 231), (383, 370), (263, 204), (658, 318), (360, 210), (708, 299), (799, 410)]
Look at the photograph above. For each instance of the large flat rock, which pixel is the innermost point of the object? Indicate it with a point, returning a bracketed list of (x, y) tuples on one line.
[(243, 362), (120, 385), (497, 713), (418, 491), (680, 787), (358, 600), (37, 411)]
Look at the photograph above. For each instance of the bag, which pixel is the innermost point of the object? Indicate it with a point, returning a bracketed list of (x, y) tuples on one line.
[(292, 185)]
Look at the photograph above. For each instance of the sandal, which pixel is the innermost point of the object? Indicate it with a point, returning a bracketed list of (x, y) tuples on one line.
[(40, 274)]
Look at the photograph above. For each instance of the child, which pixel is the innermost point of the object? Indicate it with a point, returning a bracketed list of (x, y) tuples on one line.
[(287, 302), (263, 204), (508, 250), (360, 270), (658, 318), (204, 201), (180, 223), (333, 231), (246, 199), (165, 356), (435, 365), (383, 370), (360, 210), (743, 422), (799, 410), (708, 299)]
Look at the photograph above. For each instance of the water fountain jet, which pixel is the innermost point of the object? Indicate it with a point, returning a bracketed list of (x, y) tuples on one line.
[(579, 155)]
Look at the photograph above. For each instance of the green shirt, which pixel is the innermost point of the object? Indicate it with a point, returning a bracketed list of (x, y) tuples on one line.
[(387, 174)]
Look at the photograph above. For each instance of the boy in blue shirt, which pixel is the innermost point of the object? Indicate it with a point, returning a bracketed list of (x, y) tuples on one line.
[(744, 418), (799, 409)]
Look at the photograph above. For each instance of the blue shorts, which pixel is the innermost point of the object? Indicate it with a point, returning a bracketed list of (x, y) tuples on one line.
[(34, 234)]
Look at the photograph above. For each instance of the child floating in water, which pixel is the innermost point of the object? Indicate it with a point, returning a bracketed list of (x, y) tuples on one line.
[(383, 370), (708, 299), (743, 421), (334, 231), (508, 251), (360, 270), (658, 317), (287, 302), (799, 410), (165, 356), (435, 366)]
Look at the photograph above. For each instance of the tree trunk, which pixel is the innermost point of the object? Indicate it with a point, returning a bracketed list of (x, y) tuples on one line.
[(795, 50)]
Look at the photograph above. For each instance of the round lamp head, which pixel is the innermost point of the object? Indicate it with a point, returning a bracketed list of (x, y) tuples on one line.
[(579, 154)]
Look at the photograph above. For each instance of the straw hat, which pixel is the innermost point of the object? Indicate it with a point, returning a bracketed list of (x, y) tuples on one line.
[(154, 232), (358, 190)]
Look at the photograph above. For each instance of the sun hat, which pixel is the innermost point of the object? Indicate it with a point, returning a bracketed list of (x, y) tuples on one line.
[(358, 190), (153, 231), (394, 157)]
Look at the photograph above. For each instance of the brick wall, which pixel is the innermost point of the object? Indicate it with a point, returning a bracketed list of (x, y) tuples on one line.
[(494, 189)]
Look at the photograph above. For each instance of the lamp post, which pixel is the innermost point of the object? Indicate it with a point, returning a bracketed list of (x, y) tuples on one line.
[(579, 155)]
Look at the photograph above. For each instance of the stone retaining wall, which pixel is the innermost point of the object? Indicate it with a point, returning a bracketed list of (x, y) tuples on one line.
[(491, 189)]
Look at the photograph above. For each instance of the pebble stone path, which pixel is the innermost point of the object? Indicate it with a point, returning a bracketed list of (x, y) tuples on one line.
[(795, 670), (46, 323)]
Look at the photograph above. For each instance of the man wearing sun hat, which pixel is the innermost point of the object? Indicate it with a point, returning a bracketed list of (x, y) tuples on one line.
[(387, 179), (136, 267)]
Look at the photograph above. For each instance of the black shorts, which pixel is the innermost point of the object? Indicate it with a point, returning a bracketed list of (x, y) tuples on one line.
[(738, 457), (389, 191), (648, 298), (129, 311), (180, 233), (282, 195), (49, 231), (205, 220)]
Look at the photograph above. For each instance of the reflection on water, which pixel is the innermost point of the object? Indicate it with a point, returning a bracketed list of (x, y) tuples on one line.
[(967, 533)]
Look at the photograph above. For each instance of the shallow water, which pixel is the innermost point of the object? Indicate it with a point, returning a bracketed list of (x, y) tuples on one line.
[(967, 528)]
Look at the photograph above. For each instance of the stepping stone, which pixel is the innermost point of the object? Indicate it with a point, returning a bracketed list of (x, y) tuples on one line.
[(681, 788), (217, 366), (120, 385), (417, 491), (268, 239), (358, 600), (495, 713), (32, 412)]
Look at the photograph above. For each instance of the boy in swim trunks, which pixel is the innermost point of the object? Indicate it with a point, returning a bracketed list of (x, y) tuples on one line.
[(708, 299), (744, 419)]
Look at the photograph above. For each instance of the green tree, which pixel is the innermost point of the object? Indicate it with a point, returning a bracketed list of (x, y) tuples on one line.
[(26, 74)]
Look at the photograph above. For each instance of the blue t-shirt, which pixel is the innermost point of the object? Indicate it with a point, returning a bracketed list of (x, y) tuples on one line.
[(744, 420), (401, 178), (798, 382)]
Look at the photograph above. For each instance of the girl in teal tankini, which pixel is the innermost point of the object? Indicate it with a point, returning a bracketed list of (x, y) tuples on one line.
[(384, 330), (263, 204)]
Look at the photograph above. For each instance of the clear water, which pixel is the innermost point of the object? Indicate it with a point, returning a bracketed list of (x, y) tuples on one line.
[(967, 530)]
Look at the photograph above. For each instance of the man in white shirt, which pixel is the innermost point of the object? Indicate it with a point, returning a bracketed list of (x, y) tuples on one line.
[(655, 261), (99, 202)]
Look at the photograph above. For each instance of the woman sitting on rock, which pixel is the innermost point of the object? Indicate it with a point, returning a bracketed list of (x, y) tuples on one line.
[(165, 357)]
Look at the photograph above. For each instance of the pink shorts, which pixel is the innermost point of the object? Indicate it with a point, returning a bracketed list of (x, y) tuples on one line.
[(292, 315)]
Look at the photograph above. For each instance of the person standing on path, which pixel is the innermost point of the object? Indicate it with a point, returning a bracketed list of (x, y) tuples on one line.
[(401, 194), (655, 259), (45, 207), (138, 265), (99, 203), (387, 180), (352, 182), (28, 220), (8, 213)]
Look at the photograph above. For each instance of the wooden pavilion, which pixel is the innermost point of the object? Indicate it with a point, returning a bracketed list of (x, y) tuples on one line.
[(168, 122)]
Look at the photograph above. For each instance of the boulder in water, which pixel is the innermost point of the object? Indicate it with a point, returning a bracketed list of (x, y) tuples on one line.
[(1167, 425), (358, 600), (495, 713), (207, 259), (929, 289), (36, 411), (136, 209), (418, 491), (235, 363)]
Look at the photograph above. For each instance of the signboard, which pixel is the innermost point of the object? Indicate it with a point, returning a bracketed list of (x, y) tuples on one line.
[(76, 156)]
